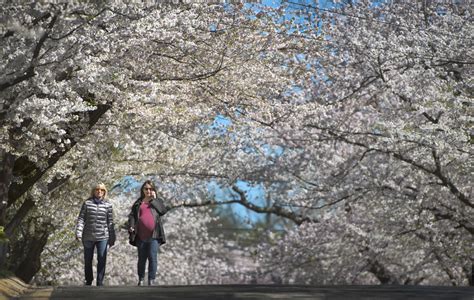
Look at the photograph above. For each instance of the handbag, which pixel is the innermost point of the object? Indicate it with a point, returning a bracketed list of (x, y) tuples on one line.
[(132, 238)]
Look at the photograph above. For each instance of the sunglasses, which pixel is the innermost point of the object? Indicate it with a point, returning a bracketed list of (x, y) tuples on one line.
[(100, 190), (148, 189)]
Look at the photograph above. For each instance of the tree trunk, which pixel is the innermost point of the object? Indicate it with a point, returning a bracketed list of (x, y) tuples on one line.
[(31, 263), (30, 173), (471, 278), (19, 216), (384, 275), (6, 176), (469, 271)]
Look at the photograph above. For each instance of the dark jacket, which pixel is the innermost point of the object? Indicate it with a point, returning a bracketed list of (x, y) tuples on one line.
[(158, 210)]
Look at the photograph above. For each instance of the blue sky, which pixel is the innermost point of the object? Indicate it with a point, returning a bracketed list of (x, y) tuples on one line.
[(254, 192)]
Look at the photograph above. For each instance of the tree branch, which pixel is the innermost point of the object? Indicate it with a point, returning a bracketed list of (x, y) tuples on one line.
[(30, 70)]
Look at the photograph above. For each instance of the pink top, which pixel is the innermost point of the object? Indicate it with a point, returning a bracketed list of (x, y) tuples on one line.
[(146, 222)]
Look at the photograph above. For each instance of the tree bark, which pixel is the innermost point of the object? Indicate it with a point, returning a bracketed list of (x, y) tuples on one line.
[(20, 215), (22, 167), (6, 176), (31, 262), (30, 173), (381, 272), (469, 271)]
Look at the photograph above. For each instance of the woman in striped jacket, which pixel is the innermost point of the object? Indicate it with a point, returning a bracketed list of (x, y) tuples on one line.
[(95, 227)]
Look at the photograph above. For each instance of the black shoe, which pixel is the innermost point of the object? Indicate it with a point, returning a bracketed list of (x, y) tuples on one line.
[(100, 284), (88, 283)]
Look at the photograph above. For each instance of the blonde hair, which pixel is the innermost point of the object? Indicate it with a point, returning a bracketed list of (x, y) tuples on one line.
[(99, 186)]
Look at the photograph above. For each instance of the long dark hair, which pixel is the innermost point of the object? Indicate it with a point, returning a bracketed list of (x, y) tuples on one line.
[(149, 182)]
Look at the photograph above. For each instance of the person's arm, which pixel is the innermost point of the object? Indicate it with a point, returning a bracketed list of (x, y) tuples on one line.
[(111, 225), (131, 219), (81, 221), (159, 205)]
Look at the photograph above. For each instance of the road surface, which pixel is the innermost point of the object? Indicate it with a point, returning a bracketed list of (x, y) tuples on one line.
[(251, 292)]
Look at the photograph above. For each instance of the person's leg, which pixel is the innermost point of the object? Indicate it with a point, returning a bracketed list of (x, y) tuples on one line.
[(101, 260), (88, 256), (142, 256), (152, 261)]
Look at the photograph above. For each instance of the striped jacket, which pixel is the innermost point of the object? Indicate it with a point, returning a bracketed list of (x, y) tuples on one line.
[(95, 222)]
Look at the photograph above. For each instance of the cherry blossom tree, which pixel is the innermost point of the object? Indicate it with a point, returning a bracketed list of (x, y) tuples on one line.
[(355, 120), (93, 92), (384, 150)]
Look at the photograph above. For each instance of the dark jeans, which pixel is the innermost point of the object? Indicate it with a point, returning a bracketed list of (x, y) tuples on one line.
[(147, 250), (101, 260)]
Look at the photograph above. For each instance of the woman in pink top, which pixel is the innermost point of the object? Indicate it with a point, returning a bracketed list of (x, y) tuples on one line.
[(146, 230)]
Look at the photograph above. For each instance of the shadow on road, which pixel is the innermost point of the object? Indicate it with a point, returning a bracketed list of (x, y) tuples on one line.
[(251, 292)]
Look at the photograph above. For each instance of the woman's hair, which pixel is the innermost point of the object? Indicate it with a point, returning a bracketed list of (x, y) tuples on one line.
[(99, 186), (150, 183)]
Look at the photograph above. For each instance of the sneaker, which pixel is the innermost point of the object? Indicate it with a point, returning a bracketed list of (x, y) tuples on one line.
[(151, 282), (140, 282)]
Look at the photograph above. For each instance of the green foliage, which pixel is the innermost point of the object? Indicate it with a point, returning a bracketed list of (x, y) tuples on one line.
[(4, 273), (3, 236)]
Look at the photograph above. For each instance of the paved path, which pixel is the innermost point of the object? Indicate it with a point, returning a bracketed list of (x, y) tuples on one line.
[(252, 292)]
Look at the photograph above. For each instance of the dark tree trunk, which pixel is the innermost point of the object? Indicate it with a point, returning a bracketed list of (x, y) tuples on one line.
[(31, 262), (34, 244), (20, 215), (384, 275), (469, 271), (29, 173), (6, 176), (471, 278)]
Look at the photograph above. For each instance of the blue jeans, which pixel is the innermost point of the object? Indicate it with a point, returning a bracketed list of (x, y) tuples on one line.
[(101, 260), (147, 250)]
